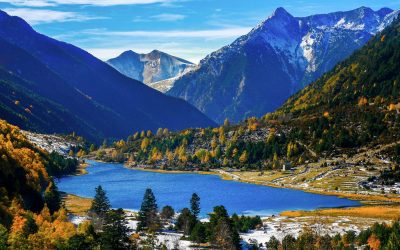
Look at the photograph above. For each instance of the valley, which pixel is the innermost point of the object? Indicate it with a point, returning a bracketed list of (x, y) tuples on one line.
[(287, 138)]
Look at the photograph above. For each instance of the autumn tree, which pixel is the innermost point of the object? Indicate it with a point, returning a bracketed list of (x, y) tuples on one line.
[(226, 123), (244, 157), (374, 242), (144, 145)]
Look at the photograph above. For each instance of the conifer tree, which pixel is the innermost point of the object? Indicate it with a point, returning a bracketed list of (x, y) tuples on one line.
[(195, 205), (115, 233), (100, 204), (148, 218), (52, 197)]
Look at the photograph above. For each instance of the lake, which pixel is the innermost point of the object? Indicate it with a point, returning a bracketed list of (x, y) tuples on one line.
[(125, 188)]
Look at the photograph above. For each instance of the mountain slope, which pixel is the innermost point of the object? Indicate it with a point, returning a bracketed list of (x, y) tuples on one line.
[(108, 103), (150, 68), (259, 71), (365, 83), (340, 132)]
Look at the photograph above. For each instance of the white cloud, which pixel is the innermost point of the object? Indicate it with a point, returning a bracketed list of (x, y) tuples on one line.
[(166, 17), (206, 34), (37, 16), (45, 3)]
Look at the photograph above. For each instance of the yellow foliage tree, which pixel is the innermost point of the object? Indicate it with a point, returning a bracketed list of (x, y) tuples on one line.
[(145, 143), (244, 157)]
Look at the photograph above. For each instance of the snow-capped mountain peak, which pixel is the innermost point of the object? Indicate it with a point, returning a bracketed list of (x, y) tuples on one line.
[(150, 68), (259, 71)]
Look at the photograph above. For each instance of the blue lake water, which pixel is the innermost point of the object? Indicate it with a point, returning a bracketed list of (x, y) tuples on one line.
[(125, 189)]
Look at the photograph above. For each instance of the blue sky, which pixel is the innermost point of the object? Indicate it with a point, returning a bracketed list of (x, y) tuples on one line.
[(190, 29)]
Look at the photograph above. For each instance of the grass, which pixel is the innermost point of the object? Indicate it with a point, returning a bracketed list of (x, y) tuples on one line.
[(76, 205), (381, 212)]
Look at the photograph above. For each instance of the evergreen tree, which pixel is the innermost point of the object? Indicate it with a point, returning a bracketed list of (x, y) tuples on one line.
[(115, 233), (100, 204), (272, 244), (288, 242), (3, 237), (167, 212), (394, 241), (186, 221), (195, 205), (52, 197), (148, 218), (30, 226), (222, 231), (198, 234)]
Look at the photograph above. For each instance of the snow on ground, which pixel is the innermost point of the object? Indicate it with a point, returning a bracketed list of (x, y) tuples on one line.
[(50, 143), (76, 220)]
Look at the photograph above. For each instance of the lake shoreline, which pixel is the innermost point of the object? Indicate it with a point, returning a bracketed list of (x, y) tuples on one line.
[(364, 199)]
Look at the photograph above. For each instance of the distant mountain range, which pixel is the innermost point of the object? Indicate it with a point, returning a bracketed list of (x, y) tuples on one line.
[(151, 68), (51, 86), (259, 71)]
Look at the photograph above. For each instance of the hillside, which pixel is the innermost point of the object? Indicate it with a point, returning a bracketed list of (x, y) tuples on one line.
[(259, 71), (84, 94), (150, 68), (26, 173), (358, 99)]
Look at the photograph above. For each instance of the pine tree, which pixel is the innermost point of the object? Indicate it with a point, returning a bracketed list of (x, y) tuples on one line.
[(115, 233), (195, 205), (52, 197), (394, 241), (199, 234), (186, 221), (100, 204), (148, 218)]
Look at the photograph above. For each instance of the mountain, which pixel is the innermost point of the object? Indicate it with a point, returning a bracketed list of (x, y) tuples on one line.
[(347, 120), (150, 68), (61, 88), (259, 71)]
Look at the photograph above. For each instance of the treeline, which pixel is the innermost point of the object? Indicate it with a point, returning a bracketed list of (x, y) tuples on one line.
[(108, 228), (250, 146), (58, 165)]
